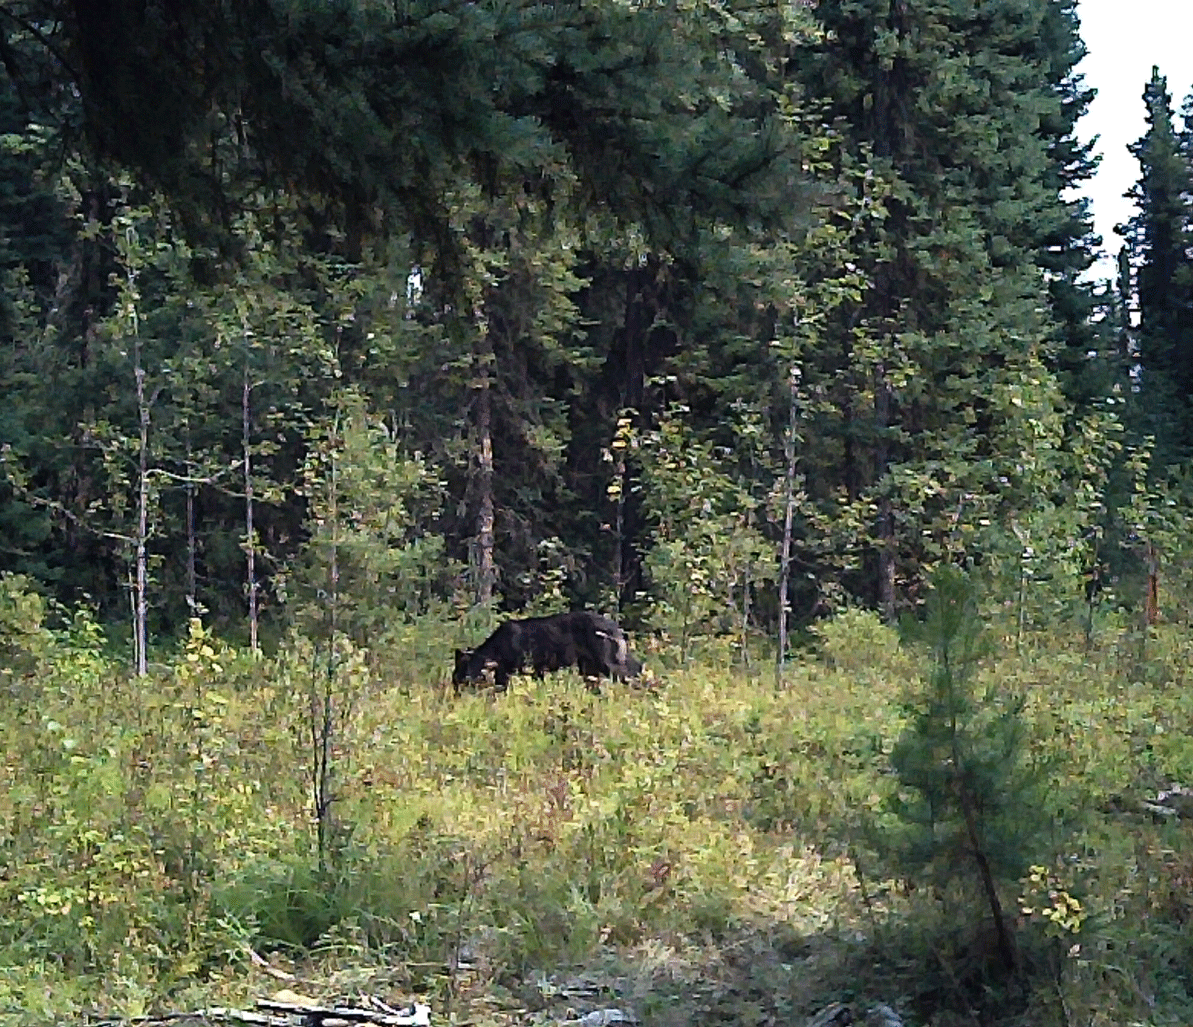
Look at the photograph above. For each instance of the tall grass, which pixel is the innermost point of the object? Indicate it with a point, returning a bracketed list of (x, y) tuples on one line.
[(709, 827)]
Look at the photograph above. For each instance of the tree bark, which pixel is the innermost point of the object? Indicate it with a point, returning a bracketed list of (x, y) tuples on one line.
[(788, 519), (141, 615), (192, 577), (250, 544), (1152, 601), (486, 566), (886, 515), (1006, 945), (323, 718), (639, 350), (619, 570)]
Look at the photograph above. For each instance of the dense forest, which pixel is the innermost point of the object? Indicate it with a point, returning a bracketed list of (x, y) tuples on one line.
[(334, 331), (642, 306)]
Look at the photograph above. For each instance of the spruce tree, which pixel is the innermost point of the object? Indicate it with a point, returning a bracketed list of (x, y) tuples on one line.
[(1161, 238), (34, 244), (944, 423), (1064, 237)]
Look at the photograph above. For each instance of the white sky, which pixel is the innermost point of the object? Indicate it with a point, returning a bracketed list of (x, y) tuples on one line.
[(1124, 39)]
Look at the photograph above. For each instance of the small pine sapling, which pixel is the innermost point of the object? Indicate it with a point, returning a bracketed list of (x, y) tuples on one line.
[(967, 810)]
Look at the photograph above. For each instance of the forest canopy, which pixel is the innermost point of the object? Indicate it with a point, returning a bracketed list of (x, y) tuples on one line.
[(710, 313)]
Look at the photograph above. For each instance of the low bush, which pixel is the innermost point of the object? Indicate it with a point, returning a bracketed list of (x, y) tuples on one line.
[(705, 835)]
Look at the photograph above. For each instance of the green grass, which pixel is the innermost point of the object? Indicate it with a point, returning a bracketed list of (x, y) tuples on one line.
[(689, 849)]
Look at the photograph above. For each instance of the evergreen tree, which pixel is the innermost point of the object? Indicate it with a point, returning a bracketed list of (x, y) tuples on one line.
[(380, 111), (36, 300), (967, 815), (1065, 240), (944, 422), (1161, 240), (520, 233)]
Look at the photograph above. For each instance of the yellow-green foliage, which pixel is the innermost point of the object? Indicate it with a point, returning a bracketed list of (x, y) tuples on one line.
[(154, 830), (857, 642)]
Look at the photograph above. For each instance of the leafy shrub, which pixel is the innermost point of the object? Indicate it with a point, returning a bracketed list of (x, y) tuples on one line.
[(857, 641), (24, 638), (152, 829)]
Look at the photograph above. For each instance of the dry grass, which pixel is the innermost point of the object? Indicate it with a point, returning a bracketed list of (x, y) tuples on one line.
[(684, 850)]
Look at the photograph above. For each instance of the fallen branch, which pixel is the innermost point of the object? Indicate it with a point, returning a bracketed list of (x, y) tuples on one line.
[(284, 1014), (1173, 803), (418, 1015), (216, 1014), (259, 962)]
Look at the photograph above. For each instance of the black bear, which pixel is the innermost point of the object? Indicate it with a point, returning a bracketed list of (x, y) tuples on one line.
[(590, 642)]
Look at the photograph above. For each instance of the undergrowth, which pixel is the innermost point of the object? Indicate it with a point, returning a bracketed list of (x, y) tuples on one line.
[(700, 844)]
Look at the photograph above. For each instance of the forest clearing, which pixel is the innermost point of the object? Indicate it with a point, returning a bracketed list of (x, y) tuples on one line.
[(705, 847), (748, 355)]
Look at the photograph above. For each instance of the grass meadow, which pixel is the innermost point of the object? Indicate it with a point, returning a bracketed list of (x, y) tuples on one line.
[(706, 847)]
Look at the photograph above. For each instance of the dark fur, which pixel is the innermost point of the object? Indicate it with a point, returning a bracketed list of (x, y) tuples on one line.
[(590, 642)]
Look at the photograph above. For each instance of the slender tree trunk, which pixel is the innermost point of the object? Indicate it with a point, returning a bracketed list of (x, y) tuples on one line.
[(322, 738), (788, 518), (619, 575), (192, 577), (641, 344), (140, 629), (886, 559), (886, 515), (1152, 601), (323, 699), (131, 585), (1092, 588), (1021, 619), (745, 615), (250, 540), (849, 459), (887, 127), (853, 474), (1006, 945), (486, 567)]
